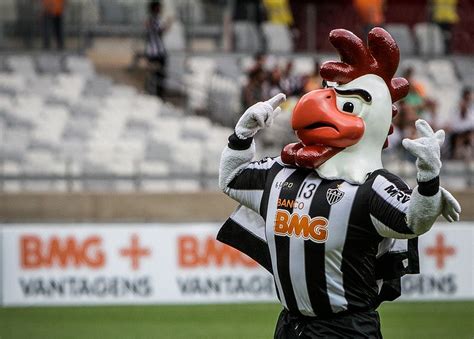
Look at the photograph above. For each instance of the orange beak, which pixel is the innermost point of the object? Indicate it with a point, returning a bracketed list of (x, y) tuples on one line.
[(317, 121)]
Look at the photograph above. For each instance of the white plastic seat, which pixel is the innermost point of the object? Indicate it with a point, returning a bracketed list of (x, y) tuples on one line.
[(49, 63), (429, 38), (80, 65), (174, 38), (246, 37), (21, 64), (465, 68), (443, 72), (303, 66), (403, 36), (14, 82), (278, 37)]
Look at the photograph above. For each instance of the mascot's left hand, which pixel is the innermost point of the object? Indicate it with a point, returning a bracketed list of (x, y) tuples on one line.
[(426, 149)]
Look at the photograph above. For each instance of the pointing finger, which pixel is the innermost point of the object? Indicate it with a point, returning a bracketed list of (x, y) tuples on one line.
[(423, 128), (277, 100), (276, 112), (440, 135)]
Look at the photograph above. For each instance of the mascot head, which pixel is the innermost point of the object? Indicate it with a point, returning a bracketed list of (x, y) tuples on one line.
[(343, 128)]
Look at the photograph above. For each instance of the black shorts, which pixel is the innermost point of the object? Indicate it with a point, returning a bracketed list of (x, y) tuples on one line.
[(364, 324)]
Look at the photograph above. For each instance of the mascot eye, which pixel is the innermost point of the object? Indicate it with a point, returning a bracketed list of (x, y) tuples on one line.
[(351, 105), (348, 107)]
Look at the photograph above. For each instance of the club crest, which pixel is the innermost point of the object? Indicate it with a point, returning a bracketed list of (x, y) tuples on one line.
[(334, 195)]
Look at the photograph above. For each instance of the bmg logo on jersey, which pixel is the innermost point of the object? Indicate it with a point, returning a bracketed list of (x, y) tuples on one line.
[(314, 229)]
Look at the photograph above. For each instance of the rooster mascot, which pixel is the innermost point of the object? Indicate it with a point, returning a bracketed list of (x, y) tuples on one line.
[(335, 229)]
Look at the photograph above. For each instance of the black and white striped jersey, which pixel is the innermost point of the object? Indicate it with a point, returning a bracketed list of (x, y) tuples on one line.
[(329, 244), (155, 47)]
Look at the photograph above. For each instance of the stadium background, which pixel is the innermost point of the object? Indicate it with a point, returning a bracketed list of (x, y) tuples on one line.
[(87, 150)]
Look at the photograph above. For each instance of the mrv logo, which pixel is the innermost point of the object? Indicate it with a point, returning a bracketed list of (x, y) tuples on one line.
[(395, 192)]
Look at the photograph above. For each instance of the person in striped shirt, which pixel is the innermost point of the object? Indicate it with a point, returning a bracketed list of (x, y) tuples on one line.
[(336, 230), (155, 48)]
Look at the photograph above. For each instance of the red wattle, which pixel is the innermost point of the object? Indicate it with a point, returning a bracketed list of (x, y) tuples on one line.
[(288, 154), (297, 154)]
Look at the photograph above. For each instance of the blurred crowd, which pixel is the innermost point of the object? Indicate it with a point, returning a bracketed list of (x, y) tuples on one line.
[(264, 81), (420, 104)]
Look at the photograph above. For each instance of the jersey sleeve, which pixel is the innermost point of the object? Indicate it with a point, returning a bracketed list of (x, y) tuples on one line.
[(239, 177), (248, 185), (388, 206)]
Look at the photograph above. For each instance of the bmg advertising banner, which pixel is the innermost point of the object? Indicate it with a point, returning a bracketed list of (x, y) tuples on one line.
[(182, 263), (446, 265), (120, 264)]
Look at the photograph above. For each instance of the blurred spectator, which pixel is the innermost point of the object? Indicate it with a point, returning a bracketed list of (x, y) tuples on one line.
[(53, 22), (275, 82), (250, 11), (314, 80), (430, 113), (370, 13), (416, 96), (291, 84), (444, 13), (155, 48), (259, 60), (254, 90), (279, 12), (404, 121), (462, 138), (25, 19), (414, 106)]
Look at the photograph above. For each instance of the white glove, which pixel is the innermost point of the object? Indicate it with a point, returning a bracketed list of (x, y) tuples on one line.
[(450, 206), (259, 116), (427, 151)]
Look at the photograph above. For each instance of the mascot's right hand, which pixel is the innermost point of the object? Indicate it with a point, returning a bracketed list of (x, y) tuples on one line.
[(259, 116)]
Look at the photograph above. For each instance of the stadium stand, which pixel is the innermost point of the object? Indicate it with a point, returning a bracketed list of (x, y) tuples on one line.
[(96, 128), (55, 108)]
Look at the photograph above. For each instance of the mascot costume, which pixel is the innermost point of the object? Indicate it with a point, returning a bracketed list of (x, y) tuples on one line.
[(335, 229)]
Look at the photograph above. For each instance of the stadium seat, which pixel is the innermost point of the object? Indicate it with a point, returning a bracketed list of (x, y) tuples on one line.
[(443, 72), (246, 37), (303, 66), (278, 38), (157, 149), (15, 143), (224, 100), (228, 66), (80, 65), (73, 151), (49, 63), (97, 86), (403, 36), (175, 39), (175, 70), (12, 83), (21, 64), (112, 12), (429, 39), (447, 103), (465, 69), (419, 67)]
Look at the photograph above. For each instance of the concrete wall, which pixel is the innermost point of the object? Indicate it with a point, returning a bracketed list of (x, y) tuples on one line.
[(115, 207), (135, 207)]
